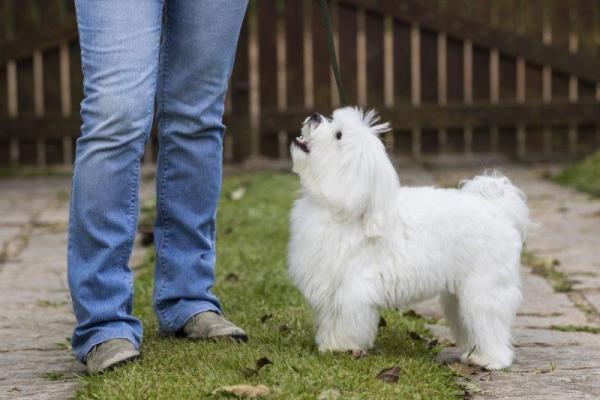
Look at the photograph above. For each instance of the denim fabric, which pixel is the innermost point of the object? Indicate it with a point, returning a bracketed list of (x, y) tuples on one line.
[(135, 53)]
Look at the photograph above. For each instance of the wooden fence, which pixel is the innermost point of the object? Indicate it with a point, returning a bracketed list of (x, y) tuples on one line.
[(463, 77)]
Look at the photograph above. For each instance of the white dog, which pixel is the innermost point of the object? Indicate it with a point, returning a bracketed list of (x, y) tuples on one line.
[(361, 242)]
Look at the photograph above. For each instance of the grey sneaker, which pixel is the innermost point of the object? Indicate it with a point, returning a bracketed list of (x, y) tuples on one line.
[(210, 325), (110, 354)]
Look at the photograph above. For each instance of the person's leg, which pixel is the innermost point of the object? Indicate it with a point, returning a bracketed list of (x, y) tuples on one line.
[(196, 62), (120, 42)]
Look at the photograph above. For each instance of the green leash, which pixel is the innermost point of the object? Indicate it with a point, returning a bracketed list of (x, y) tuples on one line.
[(332, 56)]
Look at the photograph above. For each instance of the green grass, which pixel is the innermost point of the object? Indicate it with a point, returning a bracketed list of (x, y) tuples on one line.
[(257, 294), (576, 328), (53, 376), (584, 176), (546, 268)]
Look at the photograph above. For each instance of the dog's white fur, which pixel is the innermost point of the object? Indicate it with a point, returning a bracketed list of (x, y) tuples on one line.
[(361, 242)]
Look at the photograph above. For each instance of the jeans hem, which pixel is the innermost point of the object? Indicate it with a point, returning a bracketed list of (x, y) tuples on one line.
[(182, 317)]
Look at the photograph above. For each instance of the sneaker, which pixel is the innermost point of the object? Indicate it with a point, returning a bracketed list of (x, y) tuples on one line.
[(109, 354), (210, 325)]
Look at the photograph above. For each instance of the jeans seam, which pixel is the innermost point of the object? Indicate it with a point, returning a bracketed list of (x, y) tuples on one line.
[(131, 212), (162, 178)]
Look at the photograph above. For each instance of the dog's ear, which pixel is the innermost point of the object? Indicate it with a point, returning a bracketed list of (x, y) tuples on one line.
[(384, 186)]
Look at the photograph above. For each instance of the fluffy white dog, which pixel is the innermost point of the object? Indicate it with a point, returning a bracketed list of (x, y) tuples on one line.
[(361, 242)]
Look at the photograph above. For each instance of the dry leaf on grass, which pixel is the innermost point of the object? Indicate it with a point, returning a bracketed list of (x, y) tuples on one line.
[(284, 328), (245, 391), (238, 193), (266, 317), (389, 375), (259, 364)]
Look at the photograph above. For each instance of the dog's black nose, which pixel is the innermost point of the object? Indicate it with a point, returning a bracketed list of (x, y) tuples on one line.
[(316, 117)]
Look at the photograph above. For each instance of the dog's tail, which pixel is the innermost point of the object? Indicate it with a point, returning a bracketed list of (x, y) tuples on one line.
[(497, 188)]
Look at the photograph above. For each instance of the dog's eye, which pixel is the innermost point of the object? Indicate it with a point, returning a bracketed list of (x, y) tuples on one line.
[(338, 135)]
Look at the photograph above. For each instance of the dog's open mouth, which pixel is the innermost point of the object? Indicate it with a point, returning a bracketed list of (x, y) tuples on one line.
[(301, 143)]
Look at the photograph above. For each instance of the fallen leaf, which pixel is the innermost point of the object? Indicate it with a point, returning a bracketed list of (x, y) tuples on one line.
[(232, 277), (415, 336), (465, 370), (262, 362), (238, 193), (330, 394), (389, 375), (245, 391), (258, 365), (266, 317), (284, 328), (382, 322)]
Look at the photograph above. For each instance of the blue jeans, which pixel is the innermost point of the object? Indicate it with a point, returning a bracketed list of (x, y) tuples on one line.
[(132, 57)]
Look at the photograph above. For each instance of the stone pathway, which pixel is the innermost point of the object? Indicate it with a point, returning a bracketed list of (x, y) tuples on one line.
[(550, 364), (36, 318), (35, 313)]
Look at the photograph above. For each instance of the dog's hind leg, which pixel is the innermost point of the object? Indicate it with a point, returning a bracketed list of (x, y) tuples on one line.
[(487, 314), (449, 304)]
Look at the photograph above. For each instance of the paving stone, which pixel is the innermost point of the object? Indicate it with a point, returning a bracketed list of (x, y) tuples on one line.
[(594, 299), (54, 216), (36, 315), (6, 233)]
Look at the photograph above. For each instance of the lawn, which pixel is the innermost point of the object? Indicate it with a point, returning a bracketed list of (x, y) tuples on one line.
[(584, 175), (257, 294)]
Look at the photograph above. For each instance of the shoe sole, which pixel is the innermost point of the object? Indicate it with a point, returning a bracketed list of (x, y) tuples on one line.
[(116, 364)]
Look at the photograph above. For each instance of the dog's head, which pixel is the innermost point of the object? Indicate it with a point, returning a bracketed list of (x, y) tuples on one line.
[(343, 163)]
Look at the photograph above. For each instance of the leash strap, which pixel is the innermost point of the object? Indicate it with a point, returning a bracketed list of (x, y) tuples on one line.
[(331, 48)]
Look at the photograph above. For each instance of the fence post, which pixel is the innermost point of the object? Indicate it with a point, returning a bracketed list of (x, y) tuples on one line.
[(415, 84)]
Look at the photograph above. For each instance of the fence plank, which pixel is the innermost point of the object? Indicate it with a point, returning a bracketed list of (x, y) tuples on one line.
[(282, 136), (294, 42), (240, 93), (374, 53), (254, 78), (348, 49), (321, 69), (267, 70), (402, 56)]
